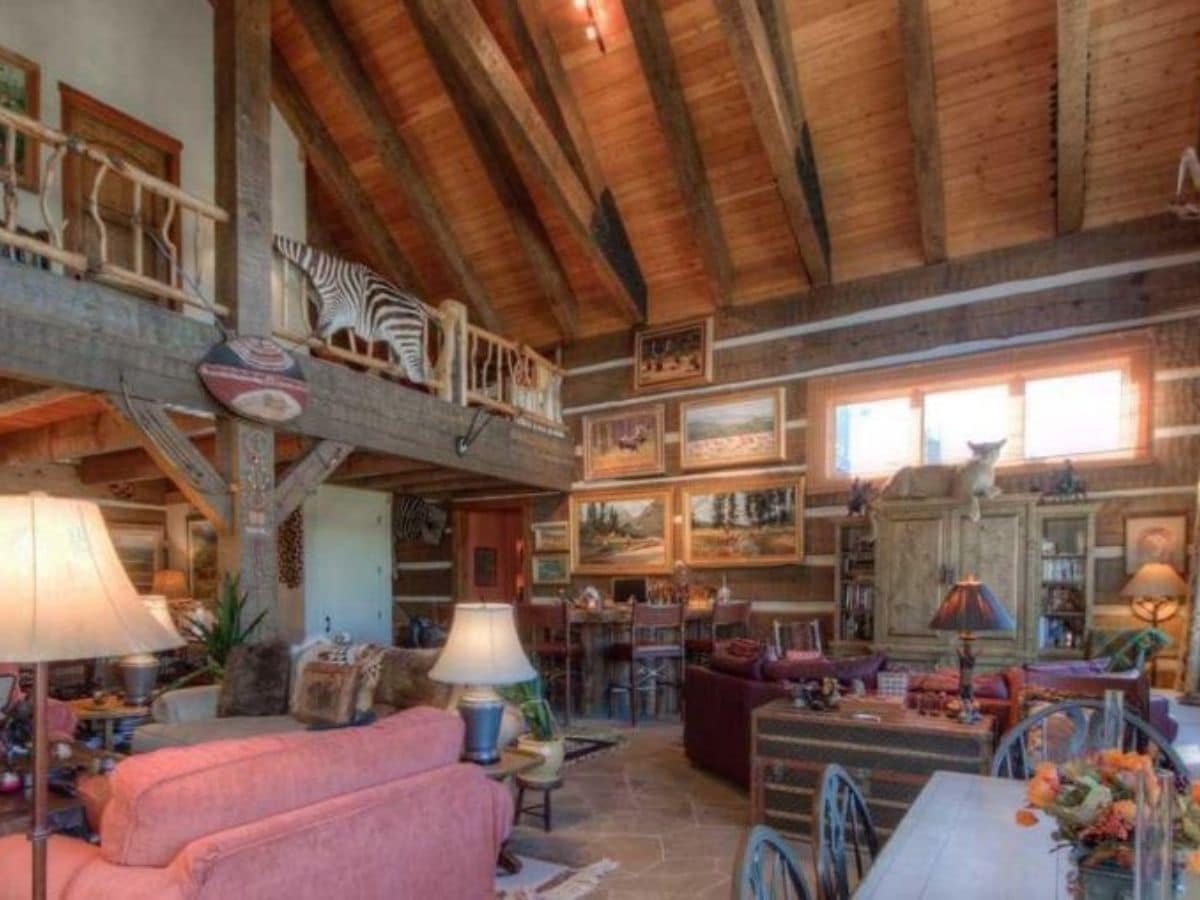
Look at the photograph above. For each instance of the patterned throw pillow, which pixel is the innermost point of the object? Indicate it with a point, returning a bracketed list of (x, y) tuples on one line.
[(367, 659), (327, 694), (256, 680)]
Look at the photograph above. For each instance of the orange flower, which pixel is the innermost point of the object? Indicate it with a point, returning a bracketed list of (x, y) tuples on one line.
[(1195, 791), (1043, 787), (1025, 818), (1126, 810), (1193, 862)]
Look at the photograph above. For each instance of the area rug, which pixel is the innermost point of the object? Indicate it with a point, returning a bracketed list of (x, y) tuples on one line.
[(583, 741), (541, 880)]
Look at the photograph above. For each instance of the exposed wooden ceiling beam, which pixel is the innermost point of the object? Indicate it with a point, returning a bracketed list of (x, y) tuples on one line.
[(19, 397), (322, 151), (138, 465), (102, 432), (662, 77), (344, 65), (417, 482), (506, 181), (756, 34), (368, 465), (589, 210), (917, 43), (1071, 112)]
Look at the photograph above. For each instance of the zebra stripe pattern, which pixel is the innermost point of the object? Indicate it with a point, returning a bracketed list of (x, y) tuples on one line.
[(413, 519), (351, 296)]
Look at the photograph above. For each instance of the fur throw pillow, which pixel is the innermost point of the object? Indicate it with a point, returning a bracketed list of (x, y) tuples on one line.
[(256, 680)]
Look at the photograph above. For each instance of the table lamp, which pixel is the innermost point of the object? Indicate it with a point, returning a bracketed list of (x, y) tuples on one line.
[(1155, 592), (63, 595), (139, 671), (970, 606), (482, 651)]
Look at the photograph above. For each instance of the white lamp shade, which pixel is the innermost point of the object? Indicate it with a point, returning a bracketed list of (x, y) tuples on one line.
[(63, 591), (483, 648), (1155, 579), (157, 606)]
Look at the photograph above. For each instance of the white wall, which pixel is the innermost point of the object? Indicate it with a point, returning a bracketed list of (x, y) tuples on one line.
[(153, 60), (348, 564)]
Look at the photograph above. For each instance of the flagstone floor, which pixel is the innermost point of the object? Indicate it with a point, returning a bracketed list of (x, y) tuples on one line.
[(675, 830)]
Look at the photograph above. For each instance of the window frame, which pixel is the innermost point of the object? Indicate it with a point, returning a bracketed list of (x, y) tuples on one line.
[(1131, 352)]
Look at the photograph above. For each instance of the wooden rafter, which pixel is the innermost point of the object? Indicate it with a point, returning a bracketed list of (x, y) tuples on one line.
[(666, 90), (368, 465), (102, 432), (1071, 113), (307, 474), (591, 213), (336, 175), (18, 398), (917, 42), (138, 465), (344, 65), (756, 33), (505, 179)]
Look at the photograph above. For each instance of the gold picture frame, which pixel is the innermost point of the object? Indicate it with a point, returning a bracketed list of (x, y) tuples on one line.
[(21, 91), (551, 568), (679, 354), (625, 444), (625, 532), (741, 523), (741, 428), (551, 537)]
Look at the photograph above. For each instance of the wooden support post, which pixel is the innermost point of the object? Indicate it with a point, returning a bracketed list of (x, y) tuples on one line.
[(246, 451), (305, 476)]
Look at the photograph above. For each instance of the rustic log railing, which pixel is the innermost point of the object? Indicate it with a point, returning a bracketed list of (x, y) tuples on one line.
[(147, 192), (512, 379)]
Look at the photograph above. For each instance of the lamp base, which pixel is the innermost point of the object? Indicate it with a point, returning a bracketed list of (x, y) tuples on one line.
[(139, 673), (482, 710)]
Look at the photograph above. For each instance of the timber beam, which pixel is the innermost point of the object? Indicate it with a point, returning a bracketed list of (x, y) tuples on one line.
[(345, 67), (1071, 113), (88, 435), (306, 475), (917, 43), (18, 398), (87, 336)]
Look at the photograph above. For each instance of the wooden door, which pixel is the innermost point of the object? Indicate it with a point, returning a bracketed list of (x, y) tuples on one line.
[(913, 557), (993, 550), (490, 556), (113, 131)]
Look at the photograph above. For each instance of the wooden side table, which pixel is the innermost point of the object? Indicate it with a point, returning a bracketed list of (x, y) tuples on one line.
[(511, 764), (107, 715)]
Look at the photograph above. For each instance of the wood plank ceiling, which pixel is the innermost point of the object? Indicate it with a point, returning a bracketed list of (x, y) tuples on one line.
[(933, 128)]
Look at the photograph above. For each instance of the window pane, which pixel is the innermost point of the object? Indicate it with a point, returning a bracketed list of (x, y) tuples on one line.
[(872, 437), (952, 418), (1074, 414)]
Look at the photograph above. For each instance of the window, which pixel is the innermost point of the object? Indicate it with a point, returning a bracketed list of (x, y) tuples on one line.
[(1087, 401)]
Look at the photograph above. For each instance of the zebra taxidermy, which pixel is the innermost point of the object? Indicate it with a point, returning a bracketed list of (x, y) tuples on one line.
[(352, 296), (413, 519)]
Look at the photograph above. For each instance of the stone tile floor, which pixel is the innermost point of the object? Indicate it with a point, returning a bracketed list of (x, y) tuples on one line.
[(675, 830)]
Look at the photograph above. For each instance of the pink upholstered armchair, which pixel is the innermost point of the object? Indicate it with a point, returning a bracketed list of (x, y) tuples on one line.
[(61, 719)]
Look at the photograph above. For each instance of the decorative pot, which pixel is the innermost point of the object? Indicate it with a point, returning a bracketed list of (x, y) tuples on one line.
[(1108, 881), (550, 751)]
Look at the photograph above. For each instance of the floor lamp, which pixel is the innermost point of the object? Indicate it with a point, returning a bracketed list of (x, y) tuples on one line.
[(1155, 594), (64, 595)]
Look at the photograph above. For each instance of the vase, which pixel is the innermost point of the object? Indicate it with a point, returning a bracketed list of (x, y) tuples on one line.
[(551, 752), (1108, 881)]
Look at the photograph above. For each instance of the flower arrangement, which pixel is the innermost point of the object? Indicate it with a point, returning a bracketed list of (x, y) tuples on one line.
[(1093, 801)]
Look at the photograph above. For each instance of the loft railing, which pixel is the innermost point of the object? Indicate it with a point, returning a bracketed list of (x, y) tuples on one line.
[(464, 364), (156, 206)]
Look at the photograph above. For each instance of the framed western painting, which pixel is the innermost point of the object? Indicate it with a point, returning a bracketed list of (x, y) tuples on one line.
[(20, 91), (733, 429), (551, 536), (673, 356), (551, 568), (141, 549), (739, 523), (621, 532), (624, 444), (1156, 539), (202, 559)]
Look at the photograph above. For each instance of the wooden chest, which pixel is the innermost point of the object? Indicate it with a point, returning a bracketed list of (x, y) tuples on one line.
[(891, 759)]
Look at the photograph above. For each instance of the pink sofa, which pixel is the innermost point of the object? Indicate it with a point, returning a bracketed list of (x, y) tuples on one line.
[(385, 810)]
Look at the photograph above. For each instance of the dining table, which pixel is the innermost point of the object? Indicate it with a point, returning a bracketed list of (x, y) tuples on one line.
[(961, 840)]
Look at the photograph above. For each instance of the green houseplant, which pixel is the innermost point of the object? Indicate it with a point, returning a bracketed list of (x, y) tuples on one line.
[(224, 632), (543, 737)]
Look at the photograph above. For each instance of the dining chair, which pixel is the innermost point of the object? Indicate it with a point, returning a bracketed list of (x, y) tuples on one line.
[(1062, 731), (805, 636), (545, 631), (843, 831), (768, 869), (725, 620), (652, 657)]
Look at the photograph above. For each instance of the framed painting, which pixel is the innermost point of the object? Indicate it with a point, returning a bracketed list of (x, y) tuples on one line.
[(20, 91), (552, 537), (621, 532), (141, 550), (739, 523), (733, 429), (551, 568), (673, 356), (624, 444), (1156, 539), (202, 559)]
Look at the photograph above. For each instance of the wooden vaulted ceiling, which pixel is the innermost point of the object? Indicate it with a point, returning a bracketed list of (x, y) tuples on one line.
[(936, 128)]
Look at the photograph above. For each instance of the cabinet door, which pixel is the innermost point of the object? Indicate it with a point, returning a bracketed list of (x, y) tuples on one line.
[(992, 550), (916, 554)]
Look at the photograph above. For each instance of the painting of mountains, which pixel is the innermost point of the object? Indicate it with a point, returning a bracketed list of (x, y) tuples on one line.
[(747, 525), (625, 532), (733, 429)]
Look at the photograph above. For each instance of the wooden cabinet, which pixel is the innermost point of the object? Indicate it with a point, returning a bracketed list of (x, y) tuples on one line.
[(924, 546)]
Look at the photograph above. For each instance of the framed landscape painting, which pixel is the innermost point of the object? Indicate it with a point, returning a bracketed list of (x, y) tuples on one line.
[(733, 429), (551, 536), (141, 551), (744, 524), (552, 568), (672, 356), (624, 444), (20, 91), (202, 559), (621, 532)]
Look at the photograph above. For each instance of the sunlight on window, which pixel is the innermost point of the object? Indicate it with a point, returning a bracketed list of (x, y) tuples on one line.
[(872, 437), (952, 418), (1074, 414)]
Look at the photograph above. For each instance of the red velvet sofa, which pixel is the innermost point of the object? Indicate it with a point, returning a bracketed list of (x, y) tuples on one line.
[(719, 698)]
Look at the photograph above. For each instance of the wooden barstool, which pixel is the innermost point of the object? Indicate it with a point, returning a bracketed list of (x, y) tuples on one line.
[(545, 630), (543, 808), (725, 620), (652, 659)]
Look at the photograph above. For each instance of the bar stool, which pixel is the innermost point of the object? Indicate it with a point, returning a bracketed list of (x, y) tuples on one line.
[(543, 808), (545, 630), (651, 658), (733, 617)]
